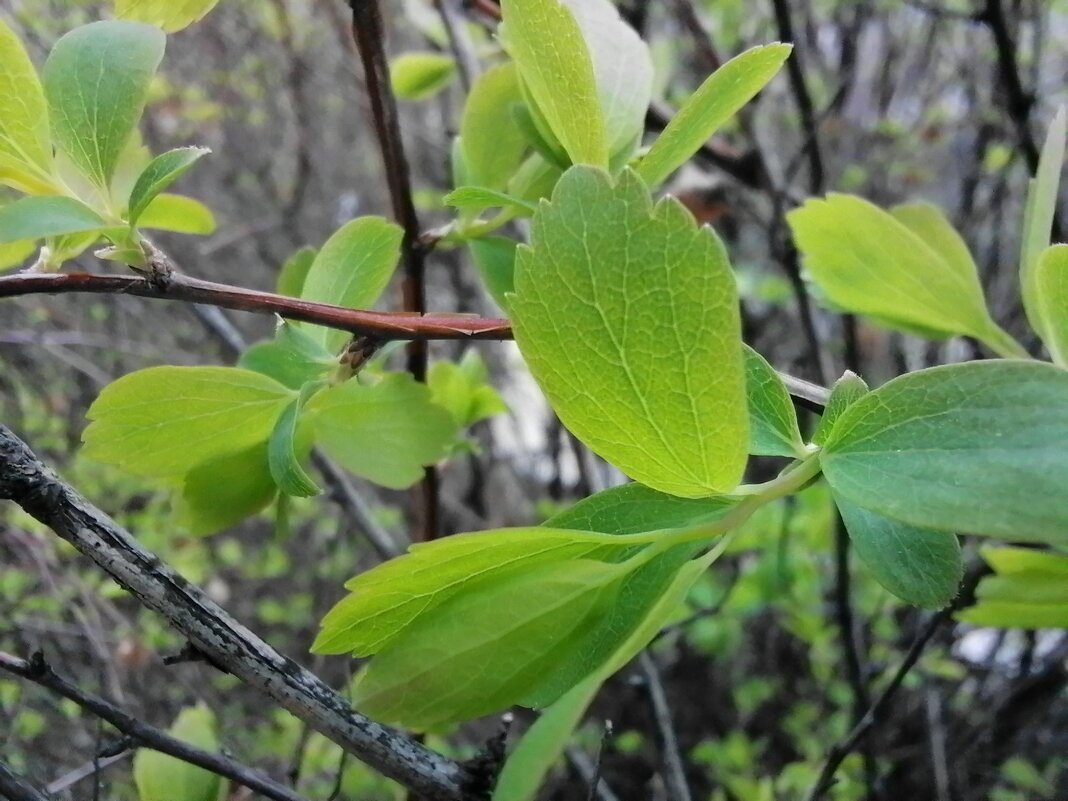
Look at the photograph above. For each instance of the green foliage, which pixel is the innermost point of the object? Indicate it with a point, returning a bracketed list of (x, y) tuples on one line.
[(772, 419), (647, 296), (491, 141), (96, 80), (284, 454), (462, 389), (846, 391), (177, 213), (12, 254), (1029, 589), (163, 170), (417, 76), (545, 64), (25, 145), (33, 218), (1051, 297), (169, 15), (975, 448), (223, 491), (160, 777), (294, 271), (292, 358), (907, 268), (494, 258), (717, 100), (476, 199)]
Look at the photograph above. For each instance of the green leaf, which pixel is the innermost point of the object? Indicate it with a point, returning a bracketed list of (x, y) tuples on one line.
[(718, 99), (772, 419), (436, 672), (292, 358), (846, 391), (14, 254), (223, 491), (161, 172), (96, 81), (1039, 212), (160, 777), (294, 272), (627, 316), (492, 144), (494, 258), (352, 269), (385, 432), (25, 146), (417, 76), (907, 268), (635, 508), (920, 566), (476, 199), (169, 15), (1051, 283), (164, 421), (1029, 590), (284, 455), (557, 71), (385, 600), (975, 447), (178, 213), (35, 218), (463, 390), (622, 70)]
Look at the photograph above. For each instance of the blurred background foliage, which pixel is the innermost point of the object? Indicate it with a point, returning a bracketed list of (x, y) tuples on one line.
[(908, 100)]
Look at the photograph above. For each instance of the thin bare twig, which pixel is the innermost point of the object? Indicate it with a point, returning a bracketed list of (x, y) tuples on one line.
[(37, 670), (674, 770), (15, 788)]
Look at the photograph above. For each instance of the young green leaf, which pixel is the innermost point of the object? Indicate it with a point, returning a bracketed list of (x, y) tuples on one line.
[(1051, 283), (25, 146), (846, 391), (385, 432), (622, 71), (557, 71), (223, 491), (284, 454), (352, 269), (166, 14), (1029, 590), (492, 144), (463, 390), (96, 80), (160, 777), (161, 172), (14, 254), (635, 508), (292, 358), (905, 268), (772, 419), (385, 600), (974, 447), (920, 566), (1039, 213), (718, 99), (476, 199), (417, 76), (627, 316), (295, 271), (438, 671), (494, 258), (164, 421), (35, 218), (177, 213)]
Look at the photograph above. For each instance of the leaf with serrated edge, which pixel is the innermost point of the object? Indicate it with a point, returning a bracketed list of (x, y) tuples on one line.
[(772, 419), (1051, 282), (385, 432), (25, 146), (385, 600), (164, 421), (628, 318), (352, 269), (96, 81), (976, 448), (718, 99), (35, 218), (479, 651), (557, 71), (920, 566), (160, 173)]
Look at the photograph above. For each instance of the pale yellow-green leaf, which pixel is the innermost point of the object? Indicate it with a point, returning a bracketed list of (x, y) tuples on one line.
[(177, 213), (1051, 297), (25, 147), (170, 15)]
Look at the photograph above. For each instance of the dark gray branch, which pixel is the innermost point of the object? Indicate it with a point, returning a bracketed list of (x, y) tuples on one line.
[(15, 788), (27, 482)]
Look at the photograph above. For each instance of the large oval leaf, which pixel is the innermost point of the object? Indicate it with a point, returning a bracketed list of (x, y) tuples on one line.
[(25, 147), (96, 80), (628, 318), (977, 448)]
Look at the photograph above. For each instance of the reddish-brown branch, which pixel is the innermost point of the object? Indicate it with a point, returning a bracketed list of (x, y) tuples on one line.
[(380, 325)]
